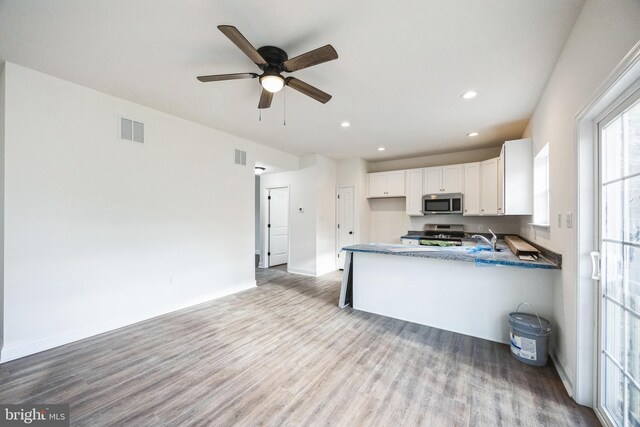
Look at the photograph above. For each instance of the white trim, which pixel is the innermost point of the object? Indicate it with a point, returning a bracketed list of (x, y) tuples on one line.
[(302, 272), (561, 367), (23, 349), (264, 221), (355, 229), (620, 79)]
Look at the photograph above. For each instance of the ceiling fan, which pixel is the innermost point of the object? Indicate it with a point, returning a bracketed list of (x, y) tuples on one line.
[(273, 61)]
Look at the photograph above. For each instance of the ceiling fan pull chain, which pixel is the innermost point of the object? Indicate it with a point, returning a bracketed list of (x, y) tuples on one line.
[(284, 95)]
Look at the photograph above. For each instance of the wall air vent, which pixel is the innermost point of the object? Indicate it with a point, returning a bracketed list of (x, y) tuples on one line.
[(131, 130), (240, 157)]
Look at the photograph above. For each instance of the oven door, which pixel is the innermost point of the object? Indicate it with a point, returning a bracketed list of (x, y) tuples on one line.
[(431, 206)]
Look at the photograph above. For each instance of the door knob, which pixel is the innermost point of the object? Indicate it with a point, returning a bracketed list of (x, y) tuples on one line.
[(351, 232)]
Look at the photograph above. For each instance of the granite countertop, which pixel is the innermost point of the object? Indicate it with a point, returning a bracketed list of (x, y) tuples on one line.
[(479, 254)]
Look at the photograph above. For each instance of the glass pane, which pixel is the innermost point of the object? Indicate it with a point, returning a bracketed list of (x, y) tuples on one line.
[(632, 278), (613, 210), (633, 356), (632, 209), (634, 405), (612, 151), (614, 331), (612, 270), (614, 390), (632, 139)]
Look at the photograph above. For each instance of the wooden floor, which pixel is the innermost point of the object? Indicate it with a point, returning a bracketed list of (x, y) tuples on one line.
[(284, 354)]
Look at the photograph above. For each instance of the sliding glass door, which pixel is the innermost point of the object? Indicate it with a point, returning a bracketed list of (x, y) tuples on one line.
[(619, 306)]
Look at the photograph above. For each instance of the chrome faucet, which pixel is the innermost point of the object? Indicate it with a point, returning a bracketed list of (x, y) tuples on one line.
[(491, 242)]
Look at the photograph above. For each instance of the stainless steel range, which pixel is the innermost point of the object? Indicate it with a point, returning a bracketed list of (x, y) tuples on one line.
[(450, 233)]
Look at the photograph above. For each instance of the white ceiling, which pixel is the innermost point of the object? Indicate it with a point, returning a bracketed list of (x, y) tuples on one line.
[(398, 80)]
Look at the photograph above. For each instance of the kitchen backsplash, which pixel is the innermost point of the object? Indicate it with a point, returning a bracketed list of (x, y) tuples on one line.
[(389, 221)]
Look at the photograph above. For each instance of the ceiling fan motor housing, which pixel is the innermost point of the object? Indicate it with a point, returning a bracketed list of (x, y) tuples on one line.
[(274, 56)]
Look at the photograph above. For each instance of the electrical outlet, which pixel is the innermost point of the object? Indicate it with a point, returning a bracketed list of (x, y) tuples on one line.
[(569, 219), (559, 220)]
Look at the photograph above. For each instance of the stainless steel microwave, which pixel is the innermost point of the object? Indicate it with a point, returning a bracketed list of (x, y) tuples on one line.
[(447, 203)]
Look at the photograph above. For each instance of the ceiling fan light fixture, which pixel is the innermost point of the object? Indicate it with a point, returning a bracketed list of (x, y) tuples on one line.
[(272, 82)]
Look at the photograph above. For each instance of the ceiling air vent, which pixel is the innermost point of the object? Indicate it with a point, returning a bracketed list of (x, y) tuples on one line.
[(131, 130), (240, 157)]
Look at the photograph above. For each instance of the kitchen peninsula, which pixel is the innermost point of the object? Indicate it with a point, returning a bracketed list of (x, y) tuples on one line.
[(467, 289)]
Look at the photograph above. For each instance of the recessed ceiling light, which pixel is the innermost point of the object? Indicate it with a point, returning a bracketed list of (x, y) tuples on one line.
[(470, 94), (381, 148), (345, 124), (473, 134)]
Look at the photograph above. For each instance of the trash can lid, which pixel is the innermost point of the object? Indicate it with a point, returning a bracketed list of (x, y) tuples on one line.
[(529, 321)]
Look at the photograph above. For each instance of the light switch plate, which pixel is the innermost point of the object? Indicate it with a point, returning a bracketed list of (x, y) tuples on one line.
[(560, 220), (569, 219)]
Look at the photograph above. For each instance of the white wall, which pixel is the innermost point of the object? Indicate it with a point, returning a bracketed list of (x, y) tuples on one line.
[(353, 173), (604, 32), (102, 232), (325, 215), (312, 231), (466, 156), (257, 213), (2, 110)]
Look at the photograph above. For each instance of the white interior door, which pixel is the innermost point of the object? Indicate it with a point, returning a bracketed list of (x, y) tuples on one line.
[(619, 285), (345, 222), (278, 226)]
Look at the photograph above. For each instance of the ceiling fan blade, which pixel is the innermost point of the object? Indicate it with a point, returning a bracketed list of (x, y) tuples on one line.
[(220, 77), (314, 57), (265, 99), (239, 40), (307, 89)]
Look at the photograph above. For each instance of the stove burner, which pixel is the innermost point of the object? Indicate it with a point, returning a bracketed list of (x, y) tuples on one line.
[(449, 236)]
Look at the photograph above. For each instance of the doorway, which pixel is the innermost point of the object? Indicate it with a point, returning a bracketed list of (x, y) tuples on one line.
[(277, 232), (345, 224), (619, 251)]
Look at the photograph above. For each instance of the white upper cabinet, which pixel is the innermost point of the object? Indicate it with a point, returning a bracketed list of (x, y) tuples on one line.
[(414, 192), (443, 179), (471, 197), (480, 188), (516, 178), (452, 178), (386, 184), (489, 187)]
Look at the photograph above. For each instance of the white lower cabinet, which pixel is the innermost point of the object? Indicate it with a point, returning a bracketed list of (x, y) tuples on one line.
[(414, 192), (414, 242)]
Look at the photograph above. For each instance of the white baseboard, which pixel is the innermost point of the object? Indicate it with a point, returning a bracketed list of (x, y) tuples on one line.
[(302, 272), (561, 367), (23, 349)]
